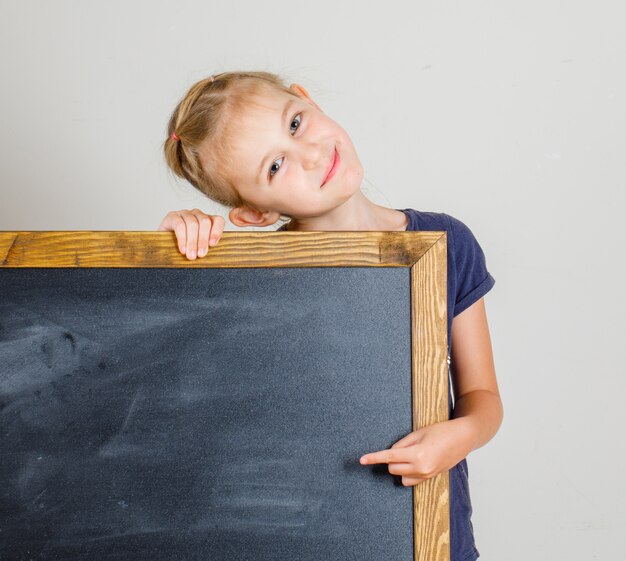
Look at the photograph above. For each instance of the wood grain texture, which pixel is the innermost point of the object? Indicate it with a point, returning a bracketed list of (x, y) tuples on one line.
[(235, 249), (424, 252), (429, 336)]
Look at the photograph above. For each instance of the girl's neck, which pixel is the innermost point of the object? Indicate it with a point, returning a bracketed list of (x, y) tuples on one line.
[(356, 214)]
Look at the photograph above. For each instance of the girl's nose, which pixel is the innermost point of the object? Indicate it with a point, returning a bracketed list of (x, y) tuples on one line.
[(312, 155)]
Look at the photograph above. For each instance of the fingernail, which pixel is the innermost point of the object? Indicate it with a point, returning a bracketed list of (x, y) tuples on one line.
[(192, 254), (212, 242), (202, 252)]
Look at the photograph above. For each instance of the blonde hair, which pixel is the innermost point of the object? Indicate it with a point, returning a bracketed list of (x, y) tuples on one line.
[(203, 118)]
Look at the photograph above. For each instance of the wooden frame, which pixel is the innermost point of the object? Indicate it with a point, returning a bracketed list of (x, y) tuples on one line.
[(424, 252)]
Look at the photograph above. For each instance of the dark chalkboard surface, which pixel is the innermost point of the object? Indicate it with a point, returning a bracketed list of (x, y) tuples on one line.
[(204, 413)]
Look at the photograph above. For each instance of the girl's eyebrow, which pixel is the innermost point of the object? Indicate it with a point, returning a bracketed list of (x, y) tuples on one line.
[(283, 118)]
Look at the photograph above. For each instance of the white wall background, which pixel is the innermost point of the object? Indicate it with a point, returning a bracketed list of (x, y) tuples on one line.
[(507, 115)]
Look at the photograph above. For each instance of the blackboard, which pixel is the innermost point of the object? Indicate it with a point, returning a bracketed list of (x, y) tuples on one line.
[(157, 408)]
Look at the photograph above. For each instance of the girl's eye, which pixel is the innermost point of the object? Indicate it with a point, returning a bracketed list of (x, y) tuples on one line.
[(294, 120), (297, 119)]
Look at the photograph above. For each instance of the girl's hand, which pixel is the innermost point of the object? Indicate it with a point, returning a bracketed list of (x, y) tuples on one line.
[(426, 452), (195, 230)]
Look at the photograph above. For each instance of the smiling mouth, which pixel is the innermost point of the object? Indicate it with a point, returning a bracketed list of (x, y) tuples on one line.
[(333, 167)]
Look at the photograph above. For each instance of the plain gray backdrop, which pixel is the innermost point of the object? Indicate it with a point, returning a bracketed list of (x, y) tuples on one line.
[(507, 115)]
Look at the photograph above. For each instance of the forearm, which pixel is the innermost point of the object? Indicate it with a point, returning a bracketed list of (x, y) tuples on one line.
[(479, 413)]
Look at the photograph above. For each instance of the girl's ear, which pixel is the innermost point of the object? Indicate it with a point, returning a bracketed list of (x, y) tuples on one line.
[(301, 92), (246, 216)]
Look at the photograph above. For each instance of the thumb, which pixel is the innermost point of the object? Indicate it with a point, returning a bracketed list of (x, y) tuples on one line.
[(408, 440)]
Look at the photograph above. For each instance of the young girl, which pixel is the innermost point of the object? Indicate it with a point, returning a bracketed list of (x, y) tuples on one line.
[(269, 152)]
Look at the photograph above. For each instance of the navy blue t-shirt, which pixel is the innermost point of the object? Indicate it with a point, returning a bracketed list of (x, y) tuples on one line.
[(468, 281)]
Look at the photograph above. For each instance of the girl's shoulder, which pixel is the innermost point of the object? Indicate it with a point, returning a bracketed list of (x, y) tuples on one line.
[(429, 220), (424, 220), (468, 262)]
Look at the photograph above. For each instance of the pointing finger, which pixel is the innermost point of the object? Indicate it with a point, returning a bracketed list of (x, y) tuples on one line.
[(386, 456)]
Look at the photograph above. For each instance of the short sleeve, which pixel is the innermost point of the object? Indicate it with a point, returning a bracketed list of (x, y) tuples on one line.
[(473, 280)]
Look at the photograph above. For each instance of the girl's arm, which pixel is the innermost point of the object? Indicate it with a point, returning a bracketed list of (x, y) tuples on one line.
[(477, 405)]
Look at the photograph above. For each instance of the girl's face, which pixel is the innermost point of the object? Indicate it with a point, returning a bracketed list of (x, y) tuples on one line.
[(284, 147)]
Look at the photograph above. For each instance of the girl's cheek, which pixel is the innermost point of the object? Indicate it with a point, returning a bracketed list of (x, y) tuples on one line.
[(290, 176)]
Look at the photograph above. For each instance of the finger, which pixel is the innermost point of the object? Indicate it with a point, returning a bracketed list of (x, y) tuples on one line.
[(408, 481), (217, 229), (204, 229), (408, 440), (174, 221), (191, 226), (181, 235), (401, 469), (168, 221), (386, 456), (163, 226)]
